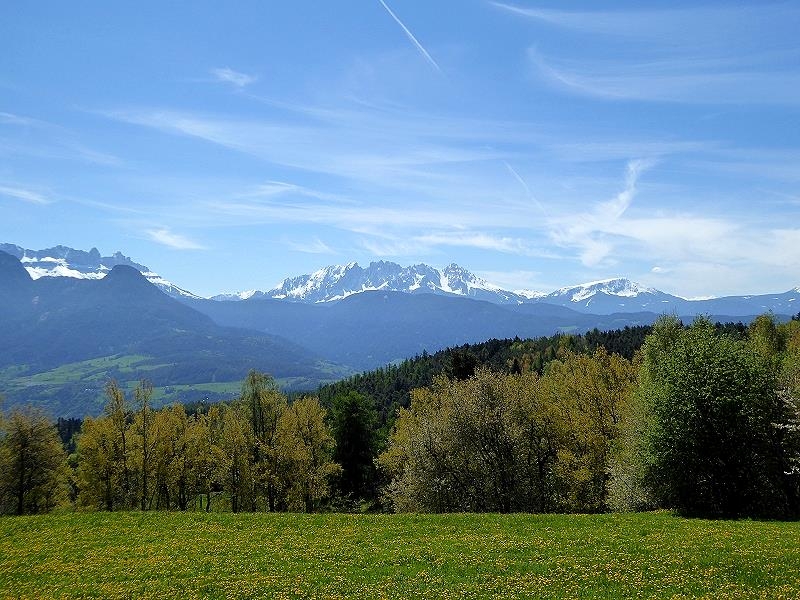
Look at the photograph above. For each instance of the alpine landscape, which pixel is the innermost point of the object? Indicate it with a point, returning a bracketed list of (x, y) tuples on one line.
[(400, 299)]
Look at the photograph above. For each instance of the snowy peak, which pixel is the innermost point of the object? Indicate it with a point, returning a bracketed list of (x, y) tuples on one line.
[(336, 282), (235, 296), (460, 281), (63, 261), (317, 286), (613, 295), (612, 287), (530, 294)]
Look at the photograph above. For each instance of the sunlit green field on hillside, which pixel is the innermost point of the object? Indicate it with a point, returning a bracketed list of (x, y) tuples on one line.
[(193, 555)]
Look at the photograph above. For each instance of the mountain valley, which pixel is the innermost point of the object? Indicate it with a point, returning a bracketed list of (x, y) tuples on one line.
[(75, 319)]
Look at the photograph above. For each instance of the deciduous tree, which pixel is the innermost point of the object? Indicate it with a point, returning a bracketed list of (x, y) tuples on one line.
[(33, 463), (716, 444), (306, 446)]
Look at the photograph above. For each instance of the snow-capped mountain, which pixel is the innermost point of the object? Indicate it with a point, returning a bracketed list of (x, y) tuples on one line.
[(624, 296), (62, 261), (613, 295), (237, 296), (336, 282), (604, 297)]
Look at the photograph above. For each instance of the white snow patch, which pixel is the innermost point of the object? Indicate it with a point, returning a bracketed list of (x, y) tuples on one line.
[(61, 271), (530, 294), (347, 293), (444, 285)]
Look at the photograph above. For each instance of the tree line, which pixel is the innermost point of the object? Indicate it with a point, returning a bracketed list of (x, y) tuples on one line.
[(390, 386), (703, 419), (258, 453)]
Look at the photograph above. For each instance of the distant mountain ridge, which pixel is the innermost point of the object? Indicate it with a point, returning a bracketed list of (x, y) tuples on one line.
[(63, 261), (337, 282), (608, 296), (63, 338)]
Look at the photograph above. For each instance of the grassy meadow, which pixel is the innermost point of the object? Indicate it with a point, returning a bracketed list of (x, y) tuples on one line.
[(217, 555)]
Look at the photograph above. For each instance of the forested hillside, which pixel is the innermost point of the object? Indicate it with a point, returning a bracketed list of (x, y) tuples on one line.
[(390, 386), (63, 339), (702, 418)]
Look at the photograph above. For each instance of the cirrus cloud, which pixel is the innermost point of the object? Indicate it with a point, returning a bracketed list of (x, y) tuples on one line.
[(165, 237)]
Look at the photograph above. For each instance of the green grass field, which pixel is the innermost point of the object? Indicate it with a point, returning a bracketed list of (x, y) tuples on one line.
[(194, 555)]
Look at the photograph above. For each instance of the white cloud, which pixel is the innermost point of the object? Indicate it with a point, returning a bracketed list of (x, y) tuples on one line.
[(517, 280), (589, 231), (236, 78), (388, 247), (692, 54), (671, 80), (476, 239), (167, 238), (406, 184), (315, 246), (380, 148), (23, 194), (12, 119), (704, 26)]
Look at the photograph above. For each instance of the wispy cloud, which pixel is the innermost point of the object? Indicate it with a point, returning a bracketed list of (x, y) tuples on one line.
[(43, 139), (236, 78), (692, 54), (417, 153), (315, 246), (381, 244), (26, 195), (589, 231), (411, 37), (704, 252), (668, 26), (480, 240), (671, 80), (12, 119), (165, 237), (518, 280), (615, 208)]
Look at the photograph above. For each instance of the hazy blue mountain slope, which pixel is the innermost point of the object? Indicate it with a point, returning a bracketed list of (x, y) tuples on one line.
[(57, 327), (369, 329)]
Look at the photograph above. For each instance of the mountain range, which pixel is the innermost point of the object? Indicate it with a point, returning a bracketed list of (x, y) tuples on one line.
[(336, 282), (72, 320), (63, 338), (62, 261)]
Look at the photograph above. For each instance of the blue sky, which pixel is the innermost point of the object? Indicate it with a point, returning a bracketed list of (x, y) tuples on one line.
[(537, 144)]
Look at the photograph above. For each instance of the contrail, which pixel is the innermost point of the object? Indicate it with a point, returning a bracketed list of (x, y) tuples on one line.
[(411, 37), (525, 185)]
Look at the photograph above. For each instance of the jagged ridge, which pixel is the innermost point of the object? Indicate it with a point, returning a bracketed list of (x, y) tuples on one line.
[(337, 282), (63, 261)]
